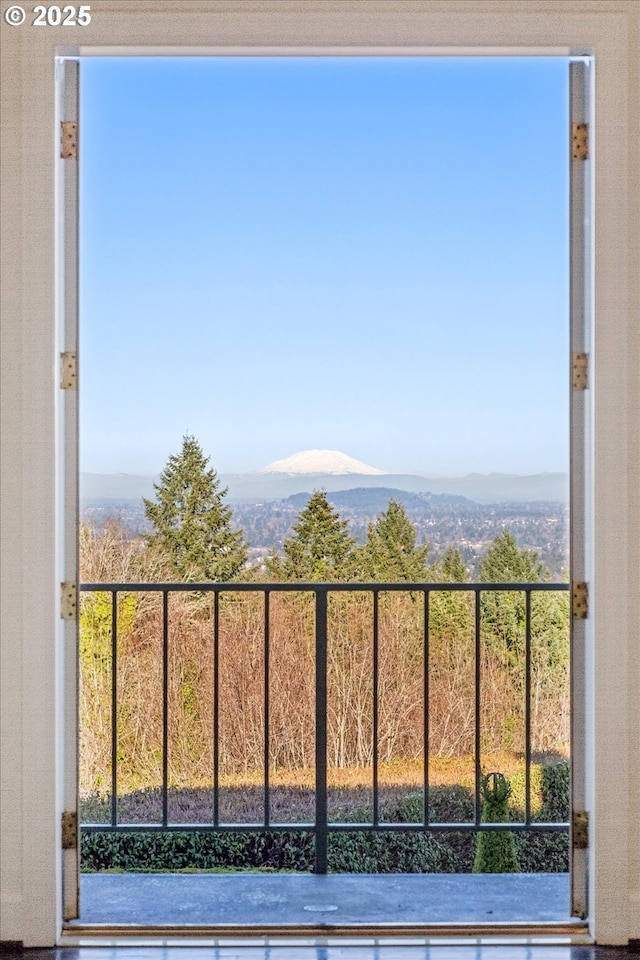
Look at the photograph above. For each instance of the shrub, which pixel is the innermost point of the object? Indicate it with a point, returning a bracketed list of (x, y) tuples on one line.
[(495, 850), (548, 852)]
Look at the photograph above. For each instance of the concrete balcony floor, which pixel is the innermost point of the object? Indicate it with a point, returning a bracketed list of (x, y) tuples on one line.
[(332, 900)]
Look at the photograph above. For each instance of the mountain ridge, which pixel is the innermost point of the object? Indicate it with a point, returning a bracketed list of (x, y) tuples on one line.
[(482, 488)]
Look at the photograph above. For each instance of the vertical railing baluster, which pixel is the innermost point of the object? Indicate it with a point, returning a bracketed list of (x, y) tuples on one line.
[(267, 815), (114, 708), (527, 709), (165, 707), (376, 809), (478, 801), (425, 713), (216, 708), (321, 731)]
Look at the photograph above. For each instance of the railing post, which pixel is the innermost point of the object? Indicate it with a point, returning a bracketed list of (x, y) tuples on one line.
[(376, 653), (527, 710), (114, 708), (165, 708), (321, 731), (216, 708), (267, 796), (477, 711), (425, 707)]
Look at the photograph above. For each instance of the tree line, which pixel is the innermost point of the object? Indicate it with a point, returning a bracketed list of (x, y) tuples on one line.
[(193, 540)]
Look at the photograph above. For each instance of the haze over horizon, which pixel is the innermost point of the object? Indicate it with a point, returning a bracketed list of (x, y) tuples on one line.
[(333, 470), (325, 462)]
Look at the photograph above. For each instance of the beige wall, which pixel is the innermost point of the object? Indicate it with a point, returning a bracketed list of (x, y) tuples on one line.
[(32, 661)]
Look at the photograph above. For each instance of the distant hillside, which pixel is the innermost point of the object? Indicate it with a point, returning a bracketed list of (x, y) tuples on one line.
[(376, 499), (483, 488)]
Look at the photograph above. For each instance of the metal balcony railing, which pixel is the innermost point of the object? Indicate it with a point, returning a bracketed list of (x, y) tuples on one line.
[(322, 826)]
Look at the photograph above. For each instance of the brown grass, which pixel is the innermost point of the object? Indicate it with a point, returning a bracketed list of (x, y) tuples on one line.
[(292, 794)]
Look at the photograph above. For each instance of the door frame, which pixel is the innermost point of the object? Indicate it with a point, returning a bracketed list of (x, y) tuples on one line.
[(579, 80), (32, 632), (68, 460), (580, 453)]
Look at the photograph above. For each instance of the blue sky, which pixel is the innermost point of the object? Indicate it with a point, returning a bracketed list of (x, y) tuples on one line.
[(361, 254)]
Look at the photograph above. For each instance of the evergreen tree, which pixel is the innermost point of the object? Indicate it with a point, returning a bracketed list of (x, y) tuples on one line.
[(390, 553), (506, 563), (504, 613), (320, 547), (192, 525), (451, 611), (450, 568)]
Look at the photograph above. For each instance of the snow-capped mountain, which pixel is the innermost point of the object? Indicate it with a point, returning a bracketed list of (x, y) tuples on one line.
[(320, 461)]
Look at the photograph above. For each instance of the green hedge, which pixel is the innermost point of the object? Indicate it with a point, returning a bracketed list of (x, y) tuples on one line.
[(357, 852), (186, 850)]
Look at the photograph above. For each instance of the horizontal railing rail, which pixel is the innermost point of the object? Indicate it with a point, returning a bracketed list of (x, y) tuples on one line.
[(322, 826)]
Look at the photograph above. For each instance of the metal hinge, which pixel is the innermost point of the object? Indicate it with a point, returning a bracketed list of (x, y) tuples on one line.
[(580, 830), (69, 140), (580, 371), (68, 370), (580, 141), (579, 600), (69, 830), (68, 600)]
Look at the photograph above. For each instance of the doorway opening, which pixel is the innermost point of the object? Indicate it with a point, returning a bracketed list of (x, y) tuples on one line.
[(344, 279)]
